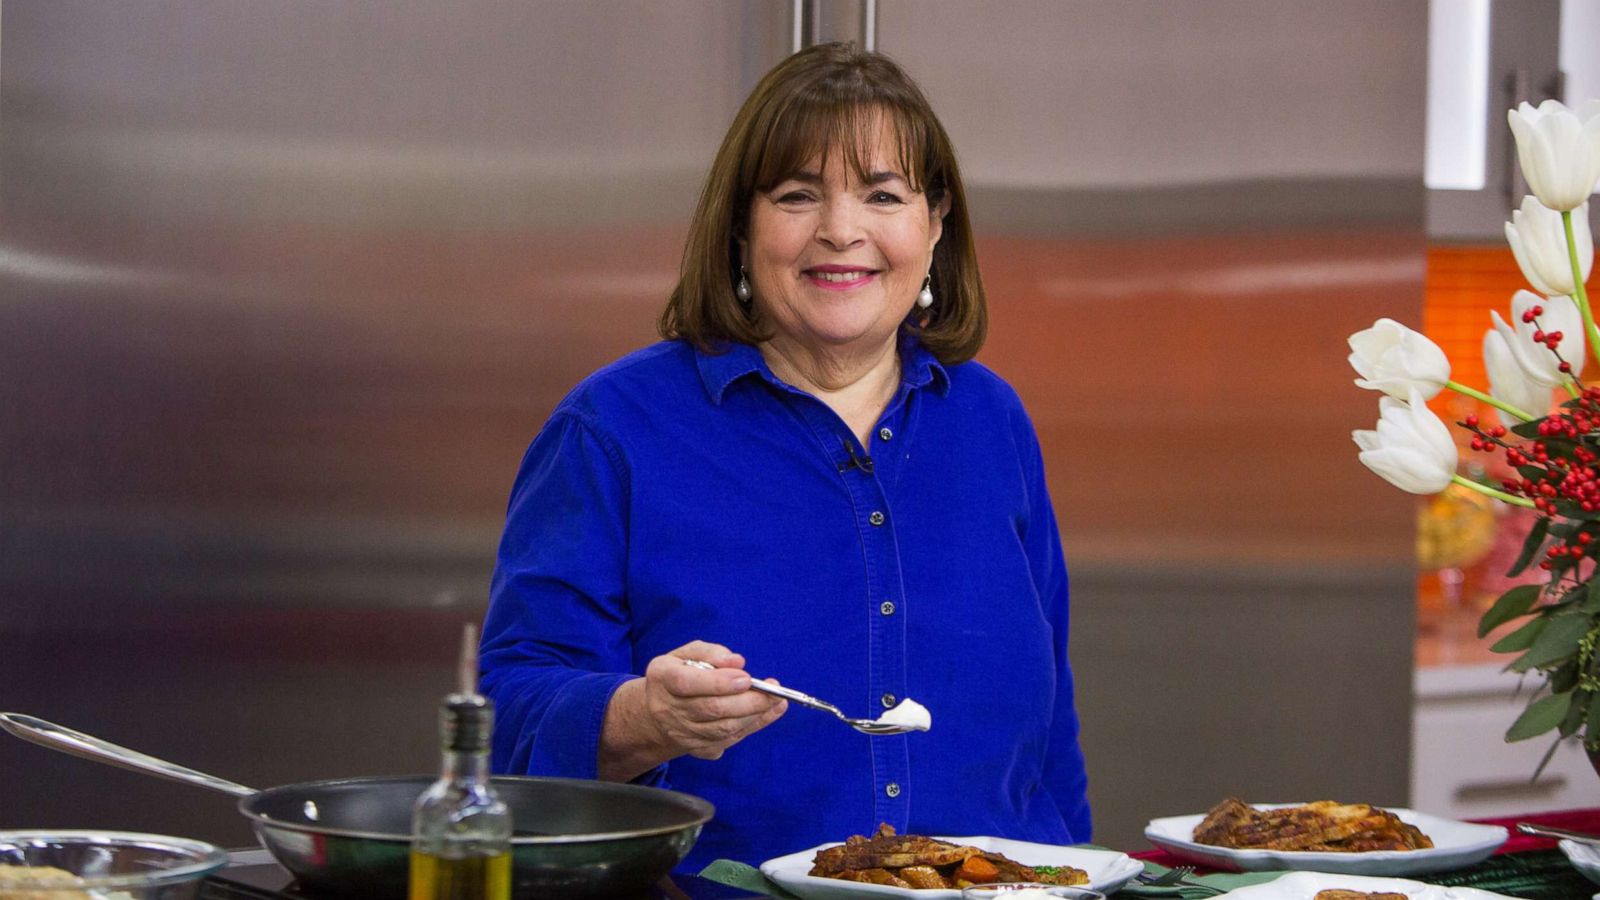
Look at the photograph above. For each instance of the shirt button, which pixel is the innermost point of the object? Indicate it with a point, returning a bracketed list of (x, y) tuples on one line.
[(892, 789), (888, 701), (876, 518), (884, 433), (887, 608)]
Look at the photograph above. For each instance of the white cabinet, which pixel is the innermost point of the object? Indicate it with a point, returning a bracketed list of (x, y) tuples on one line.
[(1461, 765)]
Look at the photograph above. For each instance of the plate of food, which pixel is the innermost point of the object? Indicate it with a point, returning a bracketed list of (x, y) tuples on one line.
[(1324, 836), (1327, 886), (936, 868)]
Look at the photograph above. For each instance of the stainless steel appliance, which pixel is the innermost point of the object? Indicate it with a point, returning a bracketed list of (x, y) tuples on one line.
[(285, 289)]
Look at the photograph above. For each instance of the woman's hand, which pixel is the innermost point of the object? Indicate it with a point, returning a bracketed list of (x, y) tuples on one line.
[(677, 710)]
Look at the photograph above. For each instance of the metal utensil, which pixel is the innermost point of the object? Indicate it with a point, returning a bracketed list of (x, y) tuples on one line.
[(1168, 878), (1178, 879), (351, 837), (865, 726), (1547, 831)]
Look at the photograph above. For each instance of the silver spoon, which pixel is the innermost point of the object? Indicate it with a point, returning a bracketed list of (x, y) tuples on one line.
[(1547, 831), (865, 726)]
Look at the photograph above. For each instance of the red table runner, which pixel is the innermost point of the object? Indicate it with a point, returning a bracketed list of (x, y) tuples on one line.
[(1586, 820)]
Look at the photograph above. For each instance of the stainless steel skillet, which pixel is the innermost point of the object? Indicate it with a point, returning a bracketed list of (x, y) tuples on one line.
[(351, 836)]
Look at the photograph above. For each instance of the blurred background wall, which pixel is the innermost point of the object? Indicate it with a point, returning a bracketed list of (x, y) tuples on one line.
[(285, 289)]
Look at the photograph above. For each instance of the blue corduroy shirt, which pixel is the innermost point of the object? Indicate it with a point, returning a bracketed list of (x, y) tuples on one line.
[(677, 495)]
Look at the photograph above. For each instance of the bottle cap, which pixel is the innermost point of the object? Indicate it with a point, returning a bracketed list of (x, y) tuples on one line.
[(467, 717), (466, 721)]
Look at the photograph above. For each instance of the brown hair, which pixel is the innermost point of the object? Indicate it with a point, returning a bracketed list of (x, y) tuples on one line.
[(827, 96)]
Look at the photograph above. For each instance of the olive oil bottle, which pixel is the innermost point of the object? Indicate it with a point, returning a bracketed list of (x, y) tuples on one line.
[(460, 830)]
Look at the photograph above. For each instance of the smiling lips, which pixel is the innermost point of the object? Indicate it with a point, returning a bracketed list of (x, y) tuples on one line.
[(839, 278)]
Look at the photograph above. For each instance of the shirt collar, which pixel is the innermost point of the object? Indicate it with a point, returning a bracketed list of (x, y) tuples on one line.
[(732, 361), (920, 368)]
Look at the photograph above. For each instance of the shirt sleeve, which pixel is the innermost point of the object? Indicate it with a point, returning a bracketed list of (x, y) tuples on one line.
[(555, 643), (1064, 774)]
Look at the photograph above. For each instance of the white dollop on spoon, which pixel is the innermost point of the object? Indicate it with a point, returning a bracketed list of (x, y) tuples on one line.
[(908, 714)]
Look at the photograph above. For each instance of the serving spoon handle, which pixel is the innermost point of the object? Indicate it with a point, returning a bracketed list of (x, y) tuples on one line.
[(1547, 831), (865, 726)]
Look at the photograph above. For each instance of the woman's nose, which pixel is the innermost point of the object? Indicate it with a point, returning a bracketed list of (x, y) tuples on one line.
[(840, 225)]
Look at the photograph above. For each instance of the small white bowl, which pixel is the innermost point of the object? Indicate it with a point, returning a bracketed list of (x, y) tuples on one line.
[(1584, 857)]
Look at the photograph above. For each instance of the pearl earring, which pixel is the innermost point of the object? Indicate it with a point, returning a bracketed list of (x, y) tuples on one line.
[(742, 290), (925, 296)]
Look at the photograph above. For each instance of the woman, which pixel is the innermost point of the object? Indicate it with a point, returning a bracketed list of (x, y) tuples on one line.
[(807, 480)]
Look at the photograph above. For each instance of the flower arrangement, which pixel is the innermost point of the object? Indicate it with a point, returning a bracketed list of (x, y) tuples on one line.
[(1552, 455)]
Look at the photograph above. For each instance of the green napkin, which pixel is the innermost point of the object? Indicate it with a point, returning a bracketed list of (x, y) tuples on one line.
[(1532, 874), (743, 877), (1220, 881)]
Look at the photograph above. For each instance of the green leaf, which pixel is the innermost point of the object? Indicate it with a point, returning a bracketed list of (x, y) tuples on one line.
[(1541, 715), (1564, 678), (1513, 603), (1592, 604), (1529, 429), (1558, 640), (1544, 761), (1530, 546), (1521, 639), (1571, 597), (1592, 717), (1575, 711)]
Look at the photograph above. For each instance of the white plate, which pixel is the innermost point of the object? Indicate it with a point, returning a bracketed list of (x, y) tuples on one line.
[(1584, 857), (1304, 886), (1108, 870), (1455, 844)]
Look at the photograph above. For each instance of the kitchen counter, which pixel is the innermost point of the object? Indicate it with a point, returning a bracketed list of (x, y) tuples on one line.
[(252, 875)]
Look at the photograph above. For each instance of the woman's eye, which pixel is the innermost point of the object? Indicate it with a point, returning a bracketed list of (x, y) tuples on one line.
[(794, 197), (883, 197)]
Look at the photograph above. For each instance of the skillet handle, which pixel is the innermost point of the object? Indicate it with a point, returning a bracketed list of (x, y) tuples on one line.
[(76, 743)]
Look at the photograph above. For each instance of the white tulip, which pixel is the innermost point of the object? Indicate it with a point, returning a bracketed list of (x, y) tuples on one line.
[(1411, 448), (1559, 150), (1536, 360), (1392, 358), (1539, 242), (1508, 383)]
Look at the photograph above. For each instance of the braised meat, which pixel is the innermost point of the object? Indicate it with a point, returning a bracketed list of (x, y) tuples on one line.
[(1322, 826), (914, 861), (1332, 894)]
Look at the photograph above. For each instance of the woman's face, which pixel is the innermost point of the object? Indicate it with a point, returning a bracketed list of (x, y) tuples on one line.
[(835, 264)]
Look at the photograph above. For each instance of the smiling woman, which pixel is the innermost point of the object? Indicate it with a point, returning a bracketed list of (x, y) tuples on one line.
[(836, 262), (809, 476), (836, 259)]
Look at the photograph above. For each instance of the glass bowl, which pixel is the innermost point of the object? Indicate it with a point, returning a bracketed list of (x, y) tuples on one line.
[(1028, 890), (110, 865)]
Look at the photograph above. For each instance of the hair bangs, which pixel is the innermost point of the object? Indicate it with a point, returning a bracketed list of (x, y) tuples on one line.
[(828, 104), (842, 129)]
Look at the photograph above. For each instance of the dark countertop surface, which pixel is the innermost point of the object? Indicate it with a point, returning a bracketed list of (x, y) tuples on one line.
[(252, 875)]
